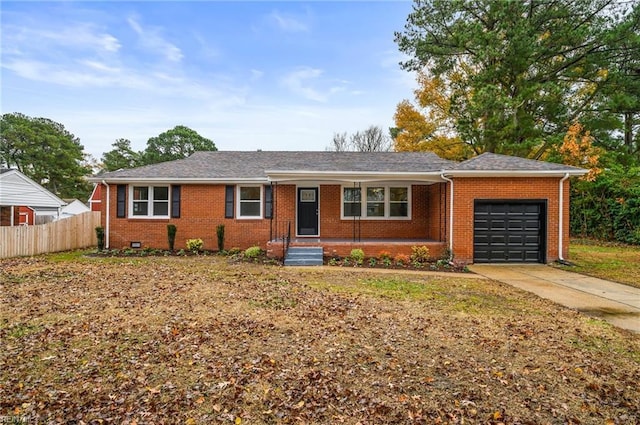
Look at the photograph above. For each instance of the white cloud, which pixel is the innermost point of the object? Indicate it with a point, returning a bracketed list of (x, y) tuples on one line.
[(256, 75), (79, 36), (287, 23), (151, 39)]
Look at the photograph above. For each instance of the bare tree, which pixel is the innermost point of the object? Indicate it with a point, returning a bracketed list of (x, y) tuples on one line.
[(373, 139)]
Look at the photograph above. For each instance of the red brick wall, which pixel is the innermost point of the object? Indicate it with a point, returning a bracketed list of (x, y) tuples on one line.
[(202, 209), (466, 190)]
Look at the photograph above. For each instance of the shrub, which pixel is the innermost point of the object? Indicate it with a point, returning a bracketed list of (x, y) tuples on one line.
[(402, 259), (100, 237), (386, 261), (357, 255), (384, 255), (220, 234), (372, 262), (419, 254), (195, 245), (234, 251), (171, 235), (253, 252), (333, 261)]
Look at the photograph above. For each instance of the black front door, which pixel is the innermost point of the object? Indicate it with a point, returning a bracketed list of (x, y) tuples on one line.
[(308, 211)]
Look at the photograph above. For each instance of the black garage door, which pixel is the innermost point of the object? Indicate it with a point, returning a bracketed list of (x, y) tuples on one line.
[(509, 232)]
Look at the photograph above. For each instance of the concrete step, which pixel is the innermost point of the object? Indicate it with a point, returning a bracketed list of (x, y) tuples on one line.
[(303, 256)]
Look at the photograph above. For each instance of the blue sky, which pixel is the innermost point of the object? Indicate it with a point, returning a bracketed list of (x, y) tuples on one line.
[(248, 75)]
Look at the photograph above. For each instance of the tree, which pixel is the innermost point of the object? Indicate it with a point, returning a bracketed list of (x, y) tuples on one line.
[(122, 156), (177, 143), (516, 73), (46, 152), (428, 126), (372, 139)]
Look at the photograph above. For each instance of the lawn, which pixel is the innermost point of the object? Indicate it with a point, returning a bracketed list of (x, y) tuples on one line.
[(607, 261), (200, 340)]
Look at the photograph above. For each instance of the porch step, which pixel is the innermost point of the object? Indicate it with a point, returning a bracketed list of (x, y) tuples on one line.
[(304, 256)]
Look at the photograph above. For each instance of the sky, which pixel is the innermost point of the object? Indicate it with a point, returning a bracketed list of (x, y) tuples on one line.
[(247, 75)]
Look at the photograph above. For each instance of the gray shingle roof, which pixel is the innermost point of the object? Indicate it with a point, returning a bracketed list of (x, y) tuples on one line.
[(232, 165), (252, 164), (495, 162)]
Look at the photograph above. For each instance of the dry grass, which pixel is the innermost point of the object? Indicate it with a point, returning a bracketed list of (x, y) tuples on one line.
[(198, 340)]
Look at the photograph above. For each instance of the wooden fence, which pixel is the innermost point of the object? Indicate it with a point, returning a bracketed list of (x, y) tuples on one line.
[(62, 235)]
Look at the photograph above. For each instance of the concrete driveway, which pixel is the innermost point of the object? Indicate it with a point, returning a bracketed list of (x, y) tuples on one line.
[(618, 304)]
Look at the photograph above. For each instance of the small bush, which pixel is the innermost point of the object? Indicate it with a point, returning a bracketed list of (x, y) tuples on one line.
[(402, 259), (357, 255), (333, 261), (253, 252), (234, 251), (384, 255), (171, 235), (386, 261), (372, 262), (195, 245), (100, 237), (419, 254), (220, 234)]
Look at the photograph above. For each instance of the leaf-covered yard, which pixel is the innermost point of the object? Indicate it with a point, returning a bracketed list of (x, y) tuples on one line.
[(198, 340)]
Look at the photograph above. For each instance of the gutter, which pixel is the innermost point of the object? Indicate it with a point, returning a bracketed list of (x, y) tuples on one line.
[(560, 217), (106, 240), (450, 215)]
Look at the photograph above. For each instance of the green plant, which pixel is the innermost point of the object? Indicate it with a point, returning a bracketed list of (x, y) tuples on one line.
[(100, 237), (357, 255), (386, 261), (220, 234), (182, 252), (372, 262), (333, 261), (419, 254), (171, 235), (195, 245), (253, 252)]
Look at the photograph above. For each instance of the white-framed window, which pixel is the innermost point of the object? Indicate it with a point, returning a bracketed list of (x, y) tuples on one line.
[(249, 202), (376, 202), (149, 201)]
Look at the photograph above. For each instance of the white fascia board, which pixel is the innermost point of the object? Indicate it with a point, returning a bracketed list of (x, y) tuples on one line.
[(168, 181), (349, 176), (514, 173)]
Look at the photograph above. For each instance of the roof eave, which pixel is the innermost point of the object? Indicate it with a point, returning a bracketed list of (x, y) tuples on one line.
[(175, 180)]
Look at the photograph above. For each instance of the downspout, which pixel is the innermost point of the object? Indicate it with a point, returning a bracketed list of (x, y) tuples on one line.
[(106, 240), (560, 218), (450, 215)]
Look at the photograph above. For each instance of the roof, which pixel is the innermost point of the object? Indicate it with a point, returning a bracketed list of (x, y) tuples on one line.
[(236, 166), (17, 189), (265, 165), (494, 161)]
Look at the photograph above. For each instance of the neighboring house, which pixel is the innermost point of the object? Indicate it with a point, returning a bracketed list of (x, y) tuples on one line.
[(73, 207), (491, 208), (95, 200), (23, 201)]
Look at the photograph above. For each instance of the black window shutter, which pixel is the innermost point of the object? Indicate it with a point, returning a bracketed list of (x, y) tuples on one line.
[(175, 201), (121, 201), (268, 202), (228, 201)]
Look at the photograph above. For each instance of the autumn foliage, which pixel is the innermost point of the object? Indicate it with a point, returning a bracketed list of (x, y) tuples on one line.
[(577, 149)]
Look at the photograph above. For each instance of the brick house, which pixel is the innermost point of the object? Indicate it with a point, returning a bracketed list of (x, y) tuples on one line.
[(491, 208)]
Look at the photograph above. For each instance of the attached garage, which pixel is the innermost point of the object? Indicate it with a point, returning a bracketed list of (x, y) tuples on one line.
[(509, 231)]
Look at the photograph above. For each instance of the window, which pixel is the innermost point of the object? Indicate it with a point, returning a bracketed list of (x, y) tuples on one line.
[(351, 202), (150, 201), (250, 202), (379, 202)]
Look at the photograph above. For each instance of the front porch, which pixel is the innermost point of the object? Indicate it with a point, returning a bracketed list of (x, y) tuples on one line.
[(341, 247)]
